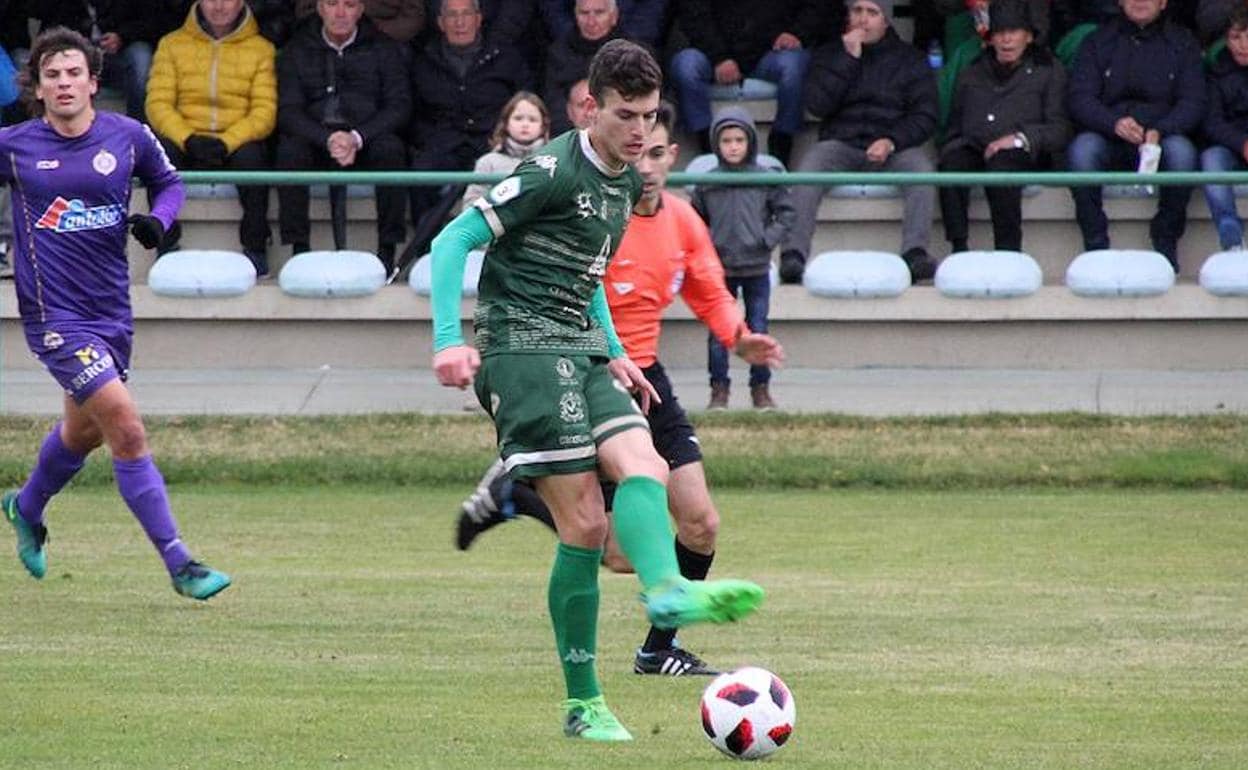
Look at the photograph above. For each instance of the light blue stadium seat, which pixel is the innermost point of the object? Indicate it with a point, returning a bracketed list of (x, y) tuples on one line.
[(708, 162), (1119, 273), (748, 90), (202, 273), (1225, 274), (332, 274), (1128, 191), (214, 190), (848, 274), (864, 191), (988, 275), (421, 278)]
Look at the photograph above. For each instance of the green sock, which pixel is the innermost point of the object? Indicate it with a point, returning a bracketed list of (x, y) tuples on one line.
[(573, 598), (643, 529)]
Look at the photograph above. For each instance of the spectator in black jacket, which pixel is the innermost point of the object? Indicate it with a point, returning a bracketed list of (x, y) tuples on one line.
[(730, 40), (567, 61), (1226, 128), (1009, 114), (460, 83), (126, 30), (642, 21), (876, 99), (1137, 81), (343, 98)]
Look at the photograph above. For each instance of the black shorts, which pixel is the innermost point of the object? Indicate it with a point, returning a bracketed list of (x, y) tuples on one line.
[(670, 428)]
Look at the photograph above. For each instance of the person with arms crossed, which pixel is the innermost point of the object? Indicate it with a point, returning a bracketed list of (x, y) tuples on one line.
[(70, 170), (553, 375), (666, 249)]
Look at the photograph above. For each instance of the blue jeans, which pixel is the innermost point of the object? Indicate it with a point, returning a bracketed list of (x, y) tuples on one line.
[(693, 74), (1091, 151), (128, 70), (756, 291), (1221, 197)]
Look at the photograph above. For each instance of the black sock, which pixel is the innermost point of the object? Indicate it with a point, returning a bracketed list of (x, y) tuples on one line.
[(694, 566)]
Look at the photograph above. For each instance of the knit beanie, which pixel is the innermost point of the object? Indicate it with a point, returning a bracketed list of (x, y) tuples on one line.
[(885, 6), (1009, 14)]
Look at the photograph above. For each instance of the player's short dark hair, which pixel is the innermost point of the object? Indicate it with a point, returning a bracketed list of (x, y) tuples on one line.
[(49, 43), (666, 118), (625, 66), (1238, 18)]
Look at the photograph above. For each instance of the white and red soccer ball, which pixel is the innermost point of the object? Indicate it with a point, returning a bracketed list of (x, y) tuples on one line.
[(748, 713)]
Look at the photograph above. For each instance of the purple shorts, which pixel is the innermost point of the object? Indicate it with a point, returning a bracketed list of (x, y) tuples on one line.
[(81, 359)]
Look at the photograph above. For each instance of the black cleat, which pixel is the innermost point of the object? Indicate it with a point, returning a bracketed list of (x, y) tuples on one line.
[(481, 511), (673, 662)]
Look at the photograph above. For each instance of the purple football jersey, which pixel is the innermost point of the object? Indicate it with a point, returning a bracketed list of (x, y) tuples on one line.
[(70, 201)]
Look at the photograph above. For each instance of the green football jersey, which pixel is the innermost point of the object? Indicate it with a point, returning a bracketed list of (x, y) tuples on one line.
[(556, 220)]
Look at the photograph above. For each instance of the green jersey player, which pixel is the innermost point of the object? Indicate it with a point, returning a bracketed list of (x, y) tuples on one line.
[(553, 376)]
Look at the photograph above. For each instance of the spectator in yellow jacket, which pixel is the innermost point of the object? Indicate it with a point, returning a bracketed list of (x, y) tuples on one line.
[(212, 101)]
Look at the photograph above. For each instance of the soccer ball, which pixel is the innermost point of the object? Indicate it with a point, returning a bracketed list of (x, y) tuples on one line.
[(748, 713)]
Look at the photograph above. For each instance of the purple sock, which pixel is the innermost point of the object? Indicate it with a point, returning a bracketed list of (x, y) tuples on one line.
[(143, 489), (54, 468)]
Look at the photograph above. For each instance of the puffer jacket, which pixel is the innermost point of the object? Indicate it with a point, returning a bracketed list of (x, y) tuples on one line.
[(889, 92), (225, 88), (746, 221), (1227, 121)]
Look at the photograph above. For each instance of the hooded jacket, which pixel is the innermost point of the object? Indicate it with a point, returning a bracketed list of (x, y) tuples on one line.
[(746, 222), (201, 85), (1226, 123), (888, 92)]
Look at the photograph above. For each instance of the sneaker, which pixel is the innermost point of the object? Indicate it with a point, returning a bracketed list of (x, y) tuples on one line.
[(681, 602), (760, 396), (673, 662), (719, 396), (481, 511), (259, 260), (592, 720), (792, 265), (30, 538), (922, 268), (199, 581)]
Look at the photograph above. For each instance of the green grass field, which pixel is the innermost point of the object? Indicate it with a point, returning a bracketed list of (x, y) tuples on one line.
[(918, 628)]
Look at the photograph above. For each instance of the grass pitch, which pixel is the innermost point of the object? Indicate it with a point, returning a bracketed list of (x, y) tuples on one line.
[(917, 629)]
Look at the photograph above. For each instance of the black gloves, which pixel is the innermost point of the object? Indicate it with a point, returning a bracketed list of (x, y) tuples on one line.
[(146, 229), (206, 151)]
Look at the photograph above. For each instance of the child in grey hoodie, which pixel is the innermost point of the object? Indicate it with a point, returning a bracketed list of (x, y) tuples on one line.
[(747, 222)]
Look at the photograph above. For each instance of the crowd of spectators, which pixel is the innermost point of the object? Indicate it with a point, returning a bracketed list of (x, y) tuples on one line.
[(419, 84)]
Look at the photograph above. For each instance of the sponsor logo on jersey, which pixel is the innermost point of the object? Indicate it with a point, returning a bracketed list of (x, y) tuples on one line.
[(93, 366), (47, 165), (87, 354), (71, 216), (623, 287), (565, 368), (585, 205), (104, 162), (548, 162)]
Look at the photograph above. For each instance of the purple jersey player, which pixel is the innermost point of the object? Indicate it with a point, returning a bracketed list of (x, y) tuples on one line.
[(70, 170)]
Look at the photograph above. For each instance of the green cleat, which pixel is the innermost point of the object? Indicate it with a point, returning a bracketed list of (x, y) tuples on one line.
[(592, 720), (681, 602), (199, 581), (30, 537)]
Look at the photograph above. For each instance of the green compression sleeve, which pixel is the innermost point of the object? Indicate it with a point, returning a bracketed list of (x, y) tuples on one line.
[(600, 312), (449, 252)]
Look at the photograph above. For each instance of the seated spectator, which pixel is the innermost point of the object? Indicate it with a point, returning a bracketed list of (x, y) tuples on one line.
[(746, 224), (1137, 81), (399, 20), (276, 19), (523, 126), (212, 102), (459, 85), (1213, 19), (343, 98), (642, 21), (127, 31), (875, 97), (1009, 114), (1226, 128), (580, 107), (567, 61), (509, 24), (730, 40)]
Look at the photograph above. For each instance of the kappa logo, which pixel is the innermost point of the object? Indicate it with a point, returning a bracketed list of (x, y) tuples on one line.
[(578, 656), (47, 165), (571, 407), (72, 216), (52, 340)]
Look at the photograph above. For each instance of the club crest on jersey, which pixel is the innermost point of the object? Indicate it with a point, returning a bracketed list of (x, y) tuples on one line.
[(571, 407), (565, 368), (71, 216), (104, 162), (52, 340)]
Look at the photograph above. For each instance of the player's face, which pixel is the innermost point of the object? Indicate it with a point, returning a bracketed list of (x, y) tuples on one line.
[(66, 84), (1237, 41), (734, 145), (220, 14), (524, 124), (340, 18), (620, 126), (656, 163), (459, 22), (595, 18)]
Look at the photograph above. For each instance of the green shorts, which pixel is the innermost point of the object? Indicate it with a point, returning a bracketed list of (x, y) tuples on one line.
[(551, 411)]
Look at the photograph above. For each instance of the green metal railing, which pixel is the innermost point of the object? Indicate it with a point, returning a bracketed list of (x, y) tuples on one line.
[(946, 178)]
